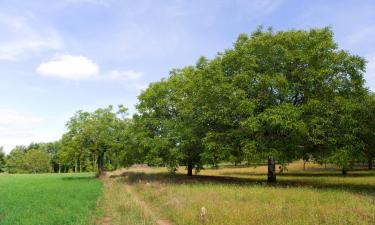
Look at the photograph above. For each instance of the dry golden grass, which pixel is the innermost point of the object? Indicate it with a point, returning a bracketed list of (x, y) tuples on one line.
[(117, 206), (241, 196)]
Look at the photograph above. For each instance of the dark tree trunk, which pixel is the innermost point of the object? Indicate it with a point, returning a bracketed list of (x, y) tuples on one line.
[(344, 171), (190, 168), (271, 170), (370, 164), (76, 167), (304, 165), (100, 163)]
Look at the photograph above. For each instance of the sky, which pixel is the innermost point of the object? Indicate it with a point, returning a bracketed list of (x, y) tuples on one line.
[(60, 56)]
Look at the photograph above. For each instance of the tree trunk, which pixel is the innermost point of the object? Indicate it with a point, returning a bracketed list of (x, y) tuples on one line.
[(59, 167), (94, 164), (271, 170), (76, 167), (344, 171), (190, 168), (100, 163), (304, 165), (370, 164)]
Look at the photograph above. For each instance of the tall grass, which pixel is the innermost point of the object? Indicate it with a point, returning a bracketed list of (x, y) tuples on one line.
[(242, 196)]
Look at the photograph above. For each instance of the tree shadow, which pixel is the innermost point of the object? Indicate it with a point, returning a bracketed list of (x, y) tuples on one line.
[(166, 178), (336, 173), (78, 178)]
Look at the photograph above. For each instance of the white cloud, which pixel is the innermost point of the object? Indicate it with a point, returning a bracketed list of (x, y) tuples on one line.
[(23, 37), (82, 68), (124, 75), (69, 67)]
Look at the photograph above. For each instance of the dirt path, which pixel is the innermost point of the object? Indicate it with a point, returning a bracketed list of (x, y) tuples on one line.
[(146, 207), (107, 220), (108, 216)]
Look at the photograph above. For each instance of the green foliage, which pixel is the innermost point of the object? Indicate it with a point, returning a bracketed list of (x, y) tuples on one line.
[(15, 160), (36, 161), (22, 160), (95, 138)]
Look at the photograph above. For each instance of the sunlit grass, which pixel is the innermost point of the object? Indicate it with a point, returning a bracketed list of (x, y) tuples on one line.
[(48, 199), (242, 196), (119, 207)]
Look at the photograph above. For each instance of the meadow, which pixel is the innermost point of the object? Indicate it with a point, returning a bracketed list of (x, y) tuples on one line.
[(48, 199), (151, 196), (238, 196)]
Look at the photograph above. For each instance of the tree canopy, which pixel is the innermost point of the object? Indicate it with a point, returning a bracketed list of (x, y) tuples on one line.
[(286, 94)]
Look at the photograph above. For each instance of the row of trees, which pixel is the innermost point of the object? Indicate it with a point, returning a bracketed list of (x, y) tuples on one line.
[(278, 95), (31, 159), (94, 142)]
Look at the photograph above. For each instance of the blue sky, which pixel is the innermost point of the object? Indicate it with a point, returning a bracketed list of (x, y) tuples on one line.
[(57, 57)]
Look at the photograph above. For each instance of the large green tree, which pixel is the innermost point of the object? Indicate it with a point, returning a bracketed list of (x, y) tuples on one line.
[(274, 94)]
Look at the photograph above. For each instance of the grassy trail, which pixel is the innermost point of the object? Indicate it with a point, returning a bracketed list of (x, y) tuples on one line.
[(120, 204)]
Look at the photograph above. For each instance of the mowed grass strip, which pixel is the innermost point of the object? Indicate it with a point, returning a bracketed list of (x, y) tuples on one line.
[(241, 196), (48, 199), (118, 206)]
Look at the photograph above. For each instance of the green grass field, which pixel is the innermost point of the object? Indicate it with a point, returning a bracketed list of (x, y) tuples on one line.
[(48, 199)]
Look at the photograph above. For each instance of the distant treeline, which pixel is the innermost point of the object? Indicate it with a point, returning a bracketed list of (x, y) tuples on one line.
[(288, 95)]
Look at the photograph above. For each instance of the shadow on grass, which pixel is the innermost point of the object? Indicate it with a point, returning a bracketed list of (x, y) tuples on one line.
[(136, 177), (336, 173), (78, 178)]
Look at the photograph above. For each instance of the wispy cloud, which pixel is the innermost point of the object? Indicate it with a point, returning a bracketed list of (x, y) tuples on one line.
[(22, 38), (18, 128), (124, 75), (96, 2), (12, 117), (361, 35), (253, 9)]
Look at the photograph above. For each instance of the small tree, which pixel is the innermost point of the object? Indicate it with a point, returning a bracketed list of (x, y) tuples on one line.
[(15, 160), (37, 161)]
